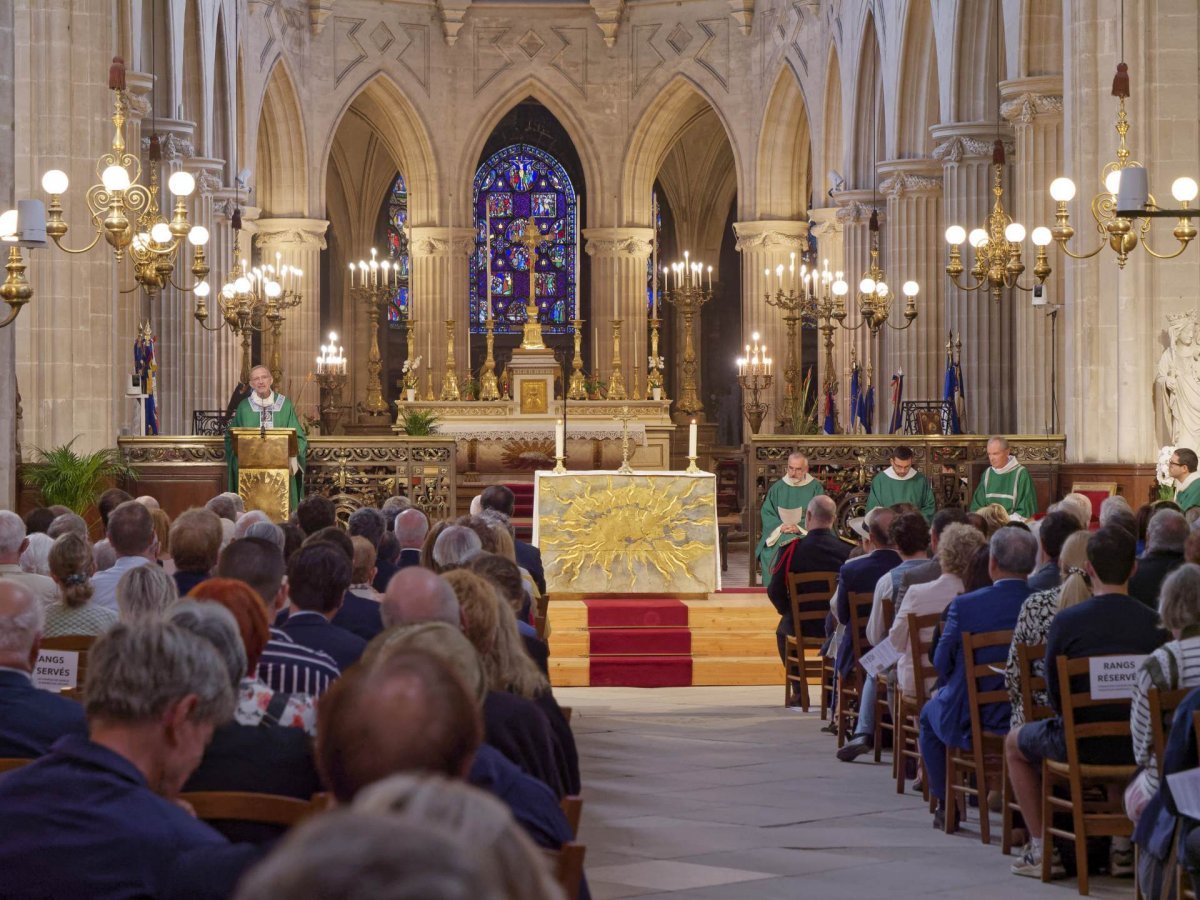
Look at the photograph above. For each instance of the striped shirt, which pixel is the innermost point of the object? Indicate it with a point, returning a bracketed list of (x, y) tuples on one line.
[(291, 668), (1174, 665)]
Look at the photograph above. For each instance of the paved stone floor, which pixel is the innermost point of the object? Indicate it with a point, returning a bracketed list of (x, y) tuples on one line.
[(721, 793)]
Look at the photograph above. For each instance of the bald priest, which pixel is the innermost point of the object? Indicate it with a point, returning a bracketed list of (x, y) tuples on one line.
[(1006, 482)]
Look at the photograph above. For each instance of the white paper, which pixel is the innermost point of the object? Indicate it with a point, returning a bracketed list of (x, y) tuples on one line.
[(1113, 677), (56, 670), (1185, 789), (880, 658)]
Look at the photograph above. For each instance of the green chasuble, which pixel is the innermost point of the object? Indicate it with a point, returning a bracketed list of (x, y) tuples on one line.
[(1011, 487), (1187, 494), (785, 505), (888, 489), (278, 412)]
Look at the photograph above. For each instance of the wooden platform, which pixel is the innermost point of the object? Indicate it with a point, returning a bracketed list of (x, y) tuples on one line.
[(732, 640)]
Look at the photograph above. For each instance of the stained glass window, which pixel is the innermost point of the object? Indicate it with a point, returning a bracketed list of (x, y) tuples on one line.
[(396, 240), (518, 183)]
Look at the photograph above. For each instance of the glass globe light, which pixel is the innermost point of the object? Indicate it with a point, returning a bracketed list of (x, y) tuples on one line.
[(202, 289), (181, 184), (977, 238), (228, 290), (840, 288), (911, 288), (161, 233), (55, 182), (242, 285), (955, 235), (198, 236), (115, 178), (1112, 181), (866, 286), (1184, 189), (881, 289), (272, 289), (8, 224), (1041, 236), (1014, 232), (1062, 189)]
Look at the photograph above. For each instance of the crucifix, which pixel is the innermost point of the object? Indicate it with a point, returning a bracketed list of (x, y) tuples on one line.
[(625, 417), (530, 239)]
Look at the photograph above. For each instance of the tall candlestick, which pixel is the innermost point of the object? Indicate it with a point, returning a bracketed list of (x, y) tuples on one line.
[(559, 438), (692, 439), (577, 266), (615, 271)]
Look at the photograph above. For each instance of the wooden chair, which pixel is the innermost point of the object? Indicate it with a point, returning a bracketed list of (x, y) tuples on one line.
[(1027, 654), (572, 807), (541, 615), (806, 589), (1162, 710), (567, 866), (566, 711), (850, 688), (244, 806), (1090, 817), (9, 763), (885, 713), (985, 758), (908, 709), (76, 643)]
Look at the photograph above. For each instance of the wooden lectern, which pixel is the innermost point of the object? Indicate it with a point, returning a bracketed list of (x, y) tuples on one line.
[(264, 472)]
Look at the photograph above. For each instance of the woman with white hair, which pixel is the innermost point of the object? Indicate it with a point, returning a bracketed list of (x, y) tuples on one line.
[(36, 558)]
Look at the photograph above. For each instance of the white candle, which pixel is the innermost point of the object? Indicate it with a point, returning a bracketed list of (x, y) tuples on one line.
[(692, 439), (351, 274), (710, 279), (559, 439), (577, 269), (615, 273)]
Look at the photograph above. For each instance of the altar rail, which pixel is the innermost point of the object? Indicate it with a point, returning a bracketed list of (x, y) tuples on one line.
[(847, 463), (181, 472)]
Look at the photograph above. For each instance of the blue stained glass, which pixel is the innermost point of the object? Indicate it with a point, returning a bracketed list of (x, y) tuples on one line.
[(517, 183), (395, 216)]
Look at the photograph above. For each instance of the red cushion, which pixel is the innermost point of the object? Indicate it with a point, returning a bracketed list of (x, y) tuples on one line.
[(1096, 498)]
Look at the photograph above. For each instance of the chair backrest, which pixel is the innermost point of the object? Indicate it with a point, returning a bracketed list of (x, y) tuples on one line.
[(888, 608), (1162, 710), (572, 807), (805, 588), (860, 612), (75, 643), (567, 865), (8, 763), (1027, 655), (917, 626), (245, 806), (1096, 492), (1072, 702), (976, 672)]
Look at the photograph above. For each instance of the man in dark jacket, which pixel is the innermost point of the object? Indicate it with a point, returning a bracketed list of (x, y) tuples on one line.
[(860, 575), (1053, 532), (820, 550), (501, 499), (1165, 536)]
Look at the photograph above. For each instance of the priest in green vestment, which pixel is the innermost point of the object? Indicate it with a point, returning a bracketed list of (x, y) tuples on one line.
[(1182, 467), (783, 512), (266, 409), (1006, 482), (902, 483)]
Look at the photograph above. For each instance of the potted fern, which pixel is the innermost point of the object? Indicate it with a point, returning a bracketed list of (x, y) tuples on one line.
[(418, 423), (70, 479)]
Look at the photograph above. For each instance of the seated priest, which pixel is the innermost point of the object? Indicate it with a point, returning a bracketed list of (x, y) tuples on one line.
[(783, 510), (902, 483), (1005, 482), (266, 409)]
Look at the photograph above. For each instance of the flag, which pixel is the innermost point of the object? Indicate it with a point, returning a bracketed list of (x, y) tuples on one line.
[(855, 423), (897, 396), (951, 389), (960, 393), (830, 410), (146, 367), (867, 403)]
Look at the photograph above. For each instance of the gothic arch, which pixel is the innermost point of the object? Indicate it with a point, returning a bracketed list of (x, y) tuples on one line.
[(677, 106), (281, 153), (975, 71), (868, 109), (833, 131), (917, 101), (221, 101), (193, 63), (383, 105), (564, 112), (784, 164)]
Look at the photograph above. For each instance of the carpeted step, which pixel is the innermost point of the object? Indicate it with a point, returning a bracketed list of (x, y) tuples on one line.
[(636, 613), (641, 671), (639, 641)]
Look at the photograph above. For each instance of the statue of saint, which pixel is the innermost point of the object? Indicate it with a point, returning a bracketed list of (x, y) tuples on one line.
[(1178, 382)]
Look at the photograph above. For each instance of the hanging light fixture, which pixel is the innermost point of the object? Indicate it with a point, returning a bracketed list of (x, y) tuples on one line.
[(999, 261)]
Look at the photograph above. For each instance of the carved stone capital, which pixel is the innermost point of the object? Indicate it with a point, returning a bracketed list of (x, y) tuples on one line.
[(783, 235), (437, 241), (858, 213), (958, 147), (291, 233), (172, 146), (902, 183), (632, 242), (1028, 106)]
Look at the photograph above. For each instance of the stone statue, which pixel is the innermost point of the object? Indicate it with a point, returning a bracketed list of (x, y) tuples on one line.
[(1178, 382)]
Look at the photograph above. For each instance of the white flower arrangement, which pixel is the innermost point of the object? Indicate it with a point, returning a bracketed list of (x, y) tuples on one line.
[(1161, 472), (411, 365), (655, 362)]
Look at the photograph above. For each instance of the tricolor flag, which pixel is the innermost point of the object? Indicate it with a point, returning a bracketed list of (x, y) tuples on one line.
[(897, 396)]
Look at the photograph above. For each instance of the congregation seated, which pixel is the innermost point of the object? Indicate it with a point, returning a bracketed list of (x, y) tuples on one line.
[(162, 531), (956, 548), (68, 522), (1115, 510), (96, 816), (416, 594), (35, 560), (504, 575), (13, 543), (931, 569), (946, 718), (38, 519), (1036, 615), (370, 524), (314, 513), (258, 750), (74, 613), (357, 614), (505, 546), (284, 665), (454, 547), (196, 541), (363, 569), (1053, 532), (145, 592), (861, 575), (994, 515), (1166, 534), (30, 719), (318, 578), (500, 498), (131, 538), (1078, 506), (106, 503), (410, 528), (226, 507), (819, 550), (1110, 622)]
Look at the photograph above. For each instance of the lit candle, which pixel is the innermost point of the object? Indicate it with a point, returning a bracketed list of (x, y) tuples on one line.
[(710, 279), (351, 274), (559, 439), (692, 439)]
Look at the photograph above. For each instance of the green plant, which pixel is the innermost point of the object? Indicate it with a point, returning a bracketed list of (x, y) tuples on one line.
[(419, 423), (70, 479), (800, 413)]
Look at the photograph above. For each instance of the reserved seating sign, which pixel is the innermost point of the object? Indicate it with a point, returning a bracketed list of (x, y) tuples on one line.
[(1113, 677), (56, 670)]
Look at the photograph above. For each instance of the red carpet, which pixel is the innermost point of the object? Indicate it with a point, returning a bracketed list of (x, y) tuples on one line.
[(638, 642)]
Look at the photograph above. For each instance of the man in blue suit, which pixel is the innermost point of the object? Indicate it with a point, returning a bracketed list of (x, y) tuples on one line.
[(946, 719), (318, 576), (860, 575), (30, 719)]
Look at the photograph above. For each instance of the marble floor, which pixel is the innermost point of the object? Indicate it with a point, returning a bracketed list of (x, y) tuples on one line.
[(719, 792)]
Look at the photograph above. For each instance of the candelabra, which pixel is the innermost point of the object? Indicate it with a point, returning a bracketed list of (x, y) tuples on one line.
[(377, 281), (755, 376), (489, 389), (686, 292), (616, 381), (450, 379), (874, 295), (577, 387), (16, 290), (654, 373), (331, 377)]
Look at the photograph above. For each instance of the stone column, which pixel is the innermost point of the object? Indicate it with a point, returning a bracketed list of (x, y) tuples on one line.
[(764, 245), (915, 249), (299, 243), (986, 326), (202, 388), (855, 340), (1034, 106), (8, 349), (831, 247), (619, 267), (439, 291), (226, 364)]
